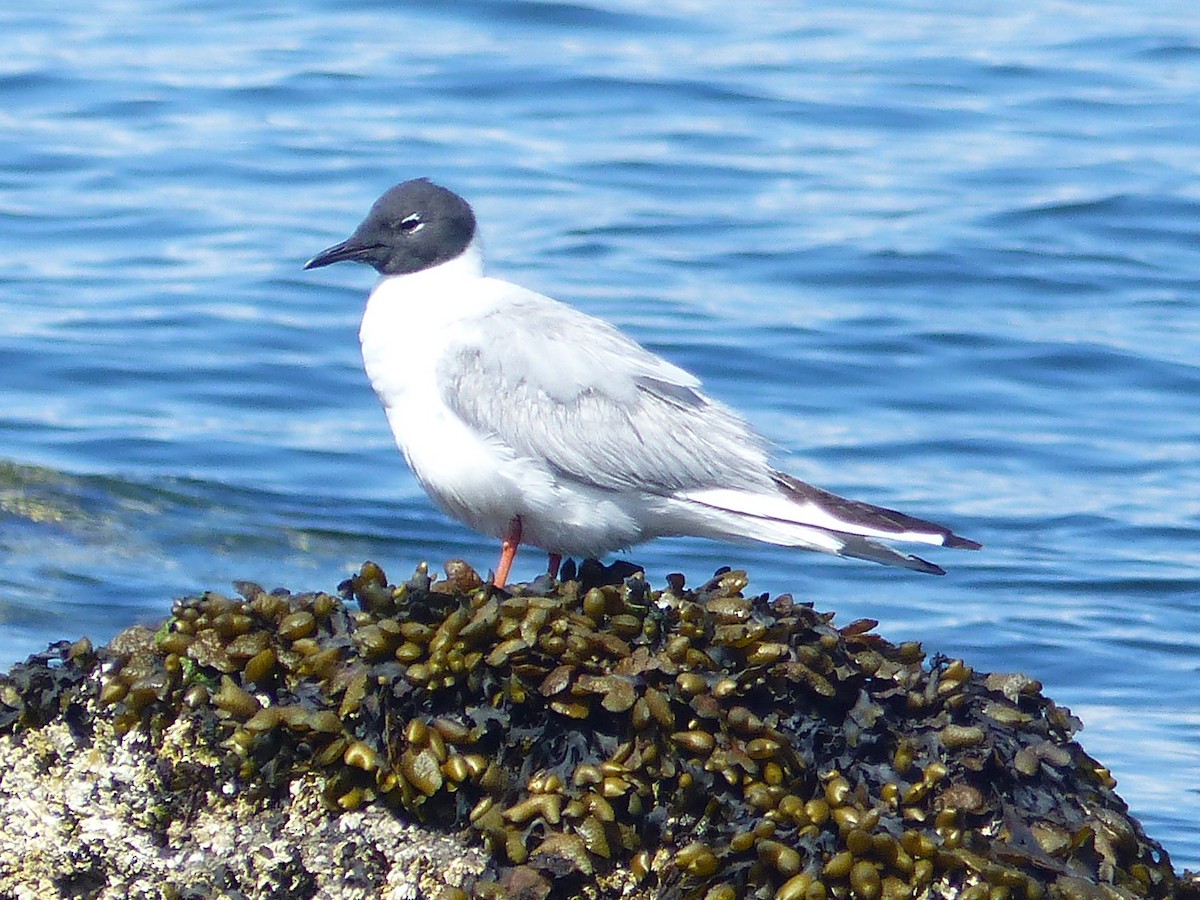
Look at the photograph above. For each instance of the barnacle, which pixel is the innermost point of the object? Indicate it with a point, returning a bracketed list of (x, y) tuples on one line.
[(705, 743)]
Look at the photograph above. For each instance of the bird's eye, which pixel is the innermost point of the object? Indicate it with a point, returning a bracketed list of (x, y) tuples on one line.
[(411, 223)]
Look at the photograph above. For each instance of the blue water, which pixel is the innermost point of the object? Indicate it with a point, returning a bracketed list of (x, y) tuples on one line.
[(946, 260)]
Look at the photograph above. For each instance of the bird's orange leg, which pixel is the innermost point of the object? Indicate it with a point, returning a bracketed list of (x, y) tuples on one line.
[(508, 552), (554, 563)]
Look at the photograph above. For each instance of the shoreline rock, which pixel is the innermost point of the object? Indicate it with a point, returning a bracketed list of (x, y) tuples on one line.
[(592, 737)]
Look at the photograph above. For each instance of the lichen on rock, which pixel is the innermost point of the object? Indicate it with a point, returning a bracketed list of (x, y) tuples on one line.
[(585, 737)]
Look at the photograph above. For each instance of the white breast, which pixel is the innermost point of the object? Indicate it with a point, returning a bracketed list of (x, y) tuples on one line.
[(406, 328)]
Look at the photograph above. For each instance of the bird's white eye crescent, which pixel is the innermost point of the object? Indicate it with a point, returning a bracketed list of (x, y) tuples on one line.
[(412, 223)]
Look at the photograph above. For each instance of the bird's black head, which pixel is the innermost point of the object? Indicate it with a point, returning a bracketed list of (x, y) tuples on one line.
[(415, 225)]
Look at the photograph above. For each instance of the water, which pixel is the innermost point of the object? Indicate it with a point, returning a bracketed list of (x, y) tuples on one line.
[(946, 261)]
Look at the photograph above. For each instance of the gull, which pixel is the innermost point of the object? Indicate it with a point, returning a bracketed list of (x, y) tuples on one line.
[(534, 423)]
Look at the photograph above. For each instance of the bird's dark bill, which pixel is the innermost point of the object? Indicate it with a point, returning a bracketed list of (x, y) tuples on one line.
[(347, 250)]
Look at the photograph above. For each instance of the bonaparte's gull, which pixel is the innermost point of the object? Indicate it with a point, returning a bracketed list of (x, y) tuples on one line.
[(535, 423)]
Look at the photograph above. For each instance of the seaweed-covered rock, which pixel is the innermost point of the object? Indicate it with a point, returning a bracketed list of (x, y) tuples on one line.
[(589, 737)]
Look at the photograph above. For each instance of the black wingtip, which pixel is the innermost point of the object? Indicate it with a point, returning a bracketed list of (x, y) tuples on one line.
[(879, 519), (927, 568), (961, 543)]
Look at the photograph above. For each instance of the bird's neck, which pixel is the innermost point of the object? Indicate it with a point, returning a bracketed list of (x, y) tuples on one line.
[(465, 266), (413, 310), (435, 294)]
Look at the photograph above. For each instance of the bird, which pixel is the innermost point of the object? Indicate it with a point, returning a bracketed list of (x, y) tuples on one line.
[(537, 424)]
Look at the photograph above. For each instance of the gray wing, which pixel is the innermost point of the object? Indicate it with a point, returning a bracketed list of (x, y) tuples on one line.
[(553, 383)]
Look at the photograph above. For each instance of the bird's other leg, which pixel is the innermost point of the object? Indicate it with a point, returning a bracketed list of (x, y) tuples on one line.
[(508, 551), (553, 564)]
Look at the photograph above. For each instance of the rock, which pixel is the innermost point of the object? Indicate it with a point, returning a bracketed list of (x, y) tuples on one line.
[(586, 738)]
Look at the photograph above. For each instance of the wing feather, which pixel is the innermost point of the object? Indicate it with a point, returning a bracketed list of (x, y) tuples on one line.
[(594, 405)]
